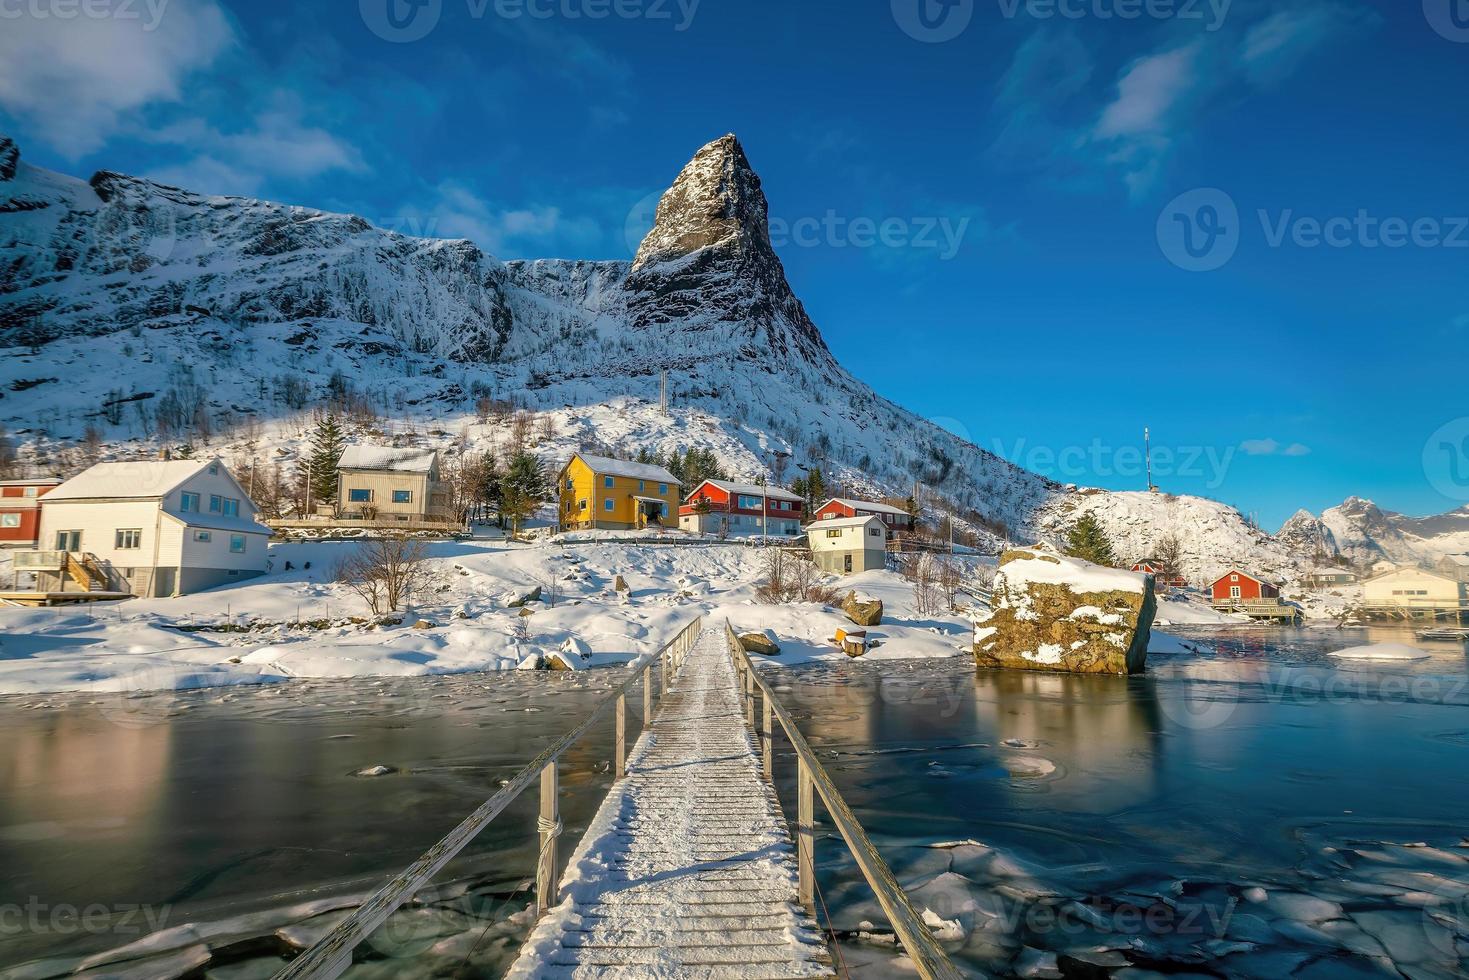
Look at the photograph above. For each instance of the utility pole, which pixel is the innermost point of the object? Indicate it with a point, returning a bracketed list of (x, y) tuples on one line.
[(1148, 454), (663, 393)]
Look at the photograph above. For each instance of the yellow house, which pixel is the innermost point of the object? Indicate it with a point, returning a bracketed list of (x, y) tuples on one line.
[(614, 494)]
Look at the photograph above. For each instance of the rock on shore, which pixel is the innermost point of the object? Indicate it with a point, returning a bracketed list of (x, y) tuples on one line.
[(1063, 614)]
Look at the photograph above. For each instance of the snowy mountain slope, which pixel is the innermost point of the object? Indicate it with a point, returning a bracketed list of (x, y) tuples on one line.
[(1214, 536), (240, 294), (124, 302), (1365, 533)]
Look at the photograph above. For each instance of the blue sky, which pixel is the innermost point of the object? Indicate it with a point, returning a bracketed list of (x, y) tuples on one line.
[(1070, 200)]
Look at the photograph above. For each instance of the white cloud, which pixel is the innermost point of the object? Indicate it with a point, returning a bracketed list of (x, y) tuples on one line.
[(74, 80), (1148, 93), (458, 212), (1270, 447)]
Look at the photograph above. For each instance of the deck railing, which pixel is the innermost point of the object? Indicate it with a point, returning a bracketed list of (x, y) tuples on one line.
[(332, 954), (812, 780), (39, 561)]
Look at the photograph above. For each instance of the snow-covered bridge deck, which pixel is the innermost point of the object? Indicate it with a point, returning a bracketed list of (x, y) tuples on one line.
[(688, 869)]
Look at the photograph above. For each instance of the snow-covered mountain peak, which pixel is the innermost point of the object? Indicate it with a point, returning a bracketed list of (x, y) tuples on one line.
[(715, 201)]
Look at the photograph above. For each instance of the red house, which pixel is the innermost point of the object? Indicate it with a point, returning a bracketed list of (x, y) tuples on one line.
[(1237, 586), (1153, 567), (741, 508), (20, 511), (896, 519)]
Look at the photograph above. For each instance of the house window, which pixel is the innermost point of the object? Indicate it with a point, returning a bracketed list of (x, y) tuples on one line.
[(402, 496), (214, 469), (1234, 578), (642, 488), (189, 503), (216, 503), (608, 504), (662, 489), (875, 532), (1234, 592), (359, 496), (834, 533), (570, 483), (203, 537), (29, 492), (231, 507), (609, 483), (9, 520), (128, 539), (237, 544), (581, 505), (748, 503)]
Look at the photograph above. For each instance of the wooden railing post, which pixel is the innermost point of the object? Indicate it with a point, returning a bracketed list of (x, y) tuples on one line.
[(806, 835), (750, 696), (648, 696), (621, 737), (665, 660), (767, 752), (549, 826)]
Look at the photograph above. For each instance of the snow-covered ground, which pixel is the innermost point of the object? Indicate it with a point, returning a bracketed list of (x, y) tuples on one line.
[(162, 644)]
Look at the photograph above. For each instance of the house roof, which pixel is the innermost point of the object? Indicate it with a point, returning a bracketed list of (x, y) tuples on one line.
[(1462, 560), (873, 506), (218, 522), (607, 466), (840, 522), (1252, 578), (751, 490), (136, 480), (49, 481), (388, 458), (1413, 570)]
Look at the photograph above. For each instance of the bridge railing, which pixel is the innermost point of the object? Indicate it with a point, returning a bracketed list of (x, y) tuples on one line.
[(812, 781), (330, 956)]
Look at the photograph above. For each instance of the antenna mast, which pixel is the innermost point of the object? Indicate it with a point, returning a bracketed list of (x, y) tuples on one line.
[(663, 393), (1148, 453)]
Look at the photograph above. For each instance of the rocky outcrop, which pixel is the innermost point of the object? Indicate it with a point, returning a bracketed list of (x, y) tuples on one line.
[(1063, 614), (862, 610), (534, 595), (1307, 536), (9, 158), (759, 641)]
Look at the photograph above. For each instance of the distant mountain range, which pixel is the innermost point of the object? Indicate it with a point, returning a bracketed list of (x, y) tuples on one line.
[(119, 291)]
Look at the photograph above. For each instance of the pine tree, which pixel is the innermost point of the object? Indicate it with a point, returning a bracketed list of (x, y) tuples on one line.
[(327, 444), (1087, 541), (815, 488), (522, 489)]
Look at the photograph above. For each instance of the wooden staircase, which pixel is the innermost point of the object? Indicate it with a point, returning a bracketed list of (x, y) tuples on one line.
[(85, 572)]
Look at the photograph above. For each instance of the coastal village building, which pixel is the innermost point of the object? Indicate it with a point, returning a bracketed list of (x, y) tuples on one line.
[(1415, 593), (1154, 567), (615, 494), (723, 507), (381, 483), (151, 528), (1236, 586), (895, 519), (1329, 578), (1454, 566), (847, 545), (20, 511)]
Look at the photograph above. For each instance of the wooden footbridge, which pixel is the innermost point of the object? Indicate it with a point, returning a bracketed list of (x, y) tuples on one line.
[(690, 867)]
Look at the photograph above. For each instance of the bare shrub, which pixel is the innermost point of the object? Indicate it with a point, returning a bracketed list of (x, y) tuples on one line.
[(792, 578), (387, 573)]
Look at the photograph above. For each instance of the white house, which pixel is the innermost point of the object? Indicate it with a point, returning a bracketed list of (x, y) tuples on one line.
[(151, 528), (848, 545), (1415, 592), (1455, 566)]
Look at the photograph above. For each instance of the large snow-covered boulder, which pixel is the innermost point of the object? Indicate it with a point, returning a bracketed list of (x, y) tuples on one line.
[(1057, 613)]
